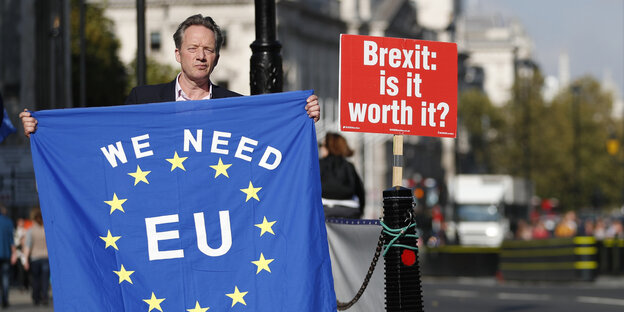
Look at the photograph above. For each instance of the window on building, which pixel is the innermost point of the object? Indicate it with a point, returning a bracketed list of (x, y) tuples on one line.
[(155, 41)]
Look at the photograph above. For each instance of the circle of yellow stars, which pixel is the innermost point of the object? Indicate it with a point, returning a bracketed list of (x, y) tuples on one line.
[(177, 162)]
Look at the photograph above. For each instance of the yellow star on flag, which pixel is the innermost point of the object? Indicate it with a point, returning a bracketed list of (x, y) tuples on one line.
[(124, 275), (252, 192), (237, 296), (110, 240), (221, 169), (116, 203), (197, 308), (266, 226), (263, 264), (139, 175), (154, 303), (176, 161)]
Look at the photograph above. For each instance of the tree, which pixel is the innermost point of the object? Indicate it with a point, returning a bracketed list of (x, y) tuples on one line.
[(155, 73), (484, 124), (561, 145), (583, 168), (106, 76), (522, 131)]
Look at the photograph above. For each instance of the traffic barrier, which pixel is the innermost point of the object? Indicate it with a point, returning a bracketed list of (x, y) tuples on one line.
[(611, 256), (460, 261), (556, 259)]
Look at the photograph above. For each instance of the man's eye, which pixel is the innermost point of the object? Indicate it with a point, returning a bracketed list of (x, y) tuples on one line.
[(192, 49)]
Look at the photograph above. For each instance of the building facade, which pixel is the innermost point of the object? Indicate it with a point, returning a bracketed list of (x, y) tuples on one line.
[(494, 44), (35, 74)]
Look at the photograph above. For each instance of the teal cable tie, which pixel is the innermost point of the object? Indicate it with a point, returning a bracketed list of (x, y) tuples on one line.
[(398, 233)]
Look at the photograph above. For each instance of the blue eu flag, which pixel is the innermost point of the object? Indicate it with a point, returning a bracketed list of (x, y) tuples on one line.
[(188, 206)]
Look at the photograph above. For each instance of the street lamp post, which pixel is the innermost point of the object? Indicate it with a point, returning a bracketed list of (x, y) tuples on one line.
[(576, 90), (613, 149), (83, 56), (266, 60), (526, 74), (140, 62)]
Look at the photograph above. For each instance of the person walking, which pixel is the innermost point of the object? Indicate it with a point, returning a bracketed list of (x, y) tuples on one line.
[(7, 253), (36, 251)]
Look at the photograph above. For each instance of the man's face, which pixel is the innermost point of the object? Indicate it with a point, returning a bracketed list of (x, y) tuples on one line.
[(197, 54)]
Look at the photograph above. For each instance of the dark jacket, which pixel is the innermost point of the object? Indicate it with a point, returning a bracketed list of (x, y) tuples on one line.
[(339, 180), (165, 92)]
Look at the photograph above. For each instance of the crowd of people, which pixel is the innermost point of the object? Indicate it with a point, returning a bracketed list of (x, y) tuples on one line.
[(24, 257), (539, 226), (570, 225)]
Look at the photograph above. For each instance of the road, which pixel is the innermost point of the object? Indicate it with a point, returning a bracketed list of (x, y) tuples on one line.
[(487, 294), (480, 295), (20, 301)]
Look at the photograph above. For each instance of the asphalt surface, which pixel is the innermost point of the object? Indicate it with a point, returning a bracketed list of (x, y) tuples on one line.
[(19, 300), (488, 294), (476, 294)]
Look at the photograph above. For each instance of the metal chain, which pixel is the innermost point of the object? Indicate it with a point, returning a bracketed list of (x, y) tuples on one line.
[(344, 306)]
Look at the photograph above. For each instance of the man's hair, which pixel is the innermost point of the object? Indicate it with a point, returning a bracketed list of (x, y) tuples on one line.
[(198, 19)]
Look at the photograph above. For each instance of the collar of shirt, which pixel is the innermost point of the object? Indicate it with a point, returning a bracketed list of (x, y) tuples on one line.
[(181, 96)]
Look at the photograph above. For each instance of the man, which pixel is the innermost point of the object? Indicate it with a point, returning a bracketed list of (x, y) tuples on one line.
[(7, 252), (198, 41)]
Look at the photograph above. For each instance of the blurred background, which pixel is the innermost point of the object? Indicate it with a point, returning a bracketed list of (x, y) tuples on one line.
[(540, 92)]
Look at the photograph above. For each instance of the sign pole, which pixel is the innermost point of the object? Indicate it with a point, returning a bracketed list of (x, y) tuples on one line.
[(401, 269), (397, 164)]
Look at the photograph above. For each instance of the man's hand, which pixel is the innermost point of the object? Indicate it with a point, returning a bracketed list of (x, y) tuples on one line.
[(313, 108), (29, 122)]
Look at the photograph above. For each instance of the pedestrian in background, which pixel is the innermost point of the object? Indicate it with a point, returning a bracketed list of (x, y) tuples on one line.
[(343, 191), (7, 253), (20, 275), (568, 226), (36, 251), (540, 231)]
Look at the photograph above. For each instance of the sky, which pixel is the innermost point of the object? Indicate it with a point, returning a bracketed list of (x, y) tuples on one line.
[(591, 32)]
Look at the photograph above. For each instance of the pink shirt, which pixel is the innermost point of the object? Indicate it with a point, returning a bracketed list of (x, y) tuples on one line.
[(181, 96)]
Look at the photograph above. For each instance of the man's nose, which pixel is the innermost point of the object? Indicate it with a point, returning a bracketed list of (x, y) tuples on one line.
[(201, 55)]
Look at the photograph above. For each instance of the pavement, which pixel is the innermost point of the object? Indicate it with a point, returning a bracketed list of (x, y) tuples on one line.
[(19, 300)]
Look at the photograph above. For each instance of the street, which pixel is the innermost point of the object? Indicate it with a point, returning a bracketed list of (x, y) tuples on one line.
[(20, 301), (487, 294), (480, 294)]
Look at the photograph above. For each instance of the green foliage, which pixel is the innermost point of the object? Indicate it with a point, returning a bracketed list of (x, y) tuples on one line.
[(484, 125), (106, 76), (580, 166), (155, 73), (561, 144)]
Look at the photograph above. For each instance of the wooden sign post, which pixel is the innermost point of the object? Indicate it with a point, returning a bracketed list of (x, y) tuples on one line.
[(397, 163)]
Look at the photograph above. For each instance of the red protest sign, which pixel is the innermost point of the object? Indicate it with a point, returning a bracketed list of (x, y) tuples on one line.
[(398, 86)]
